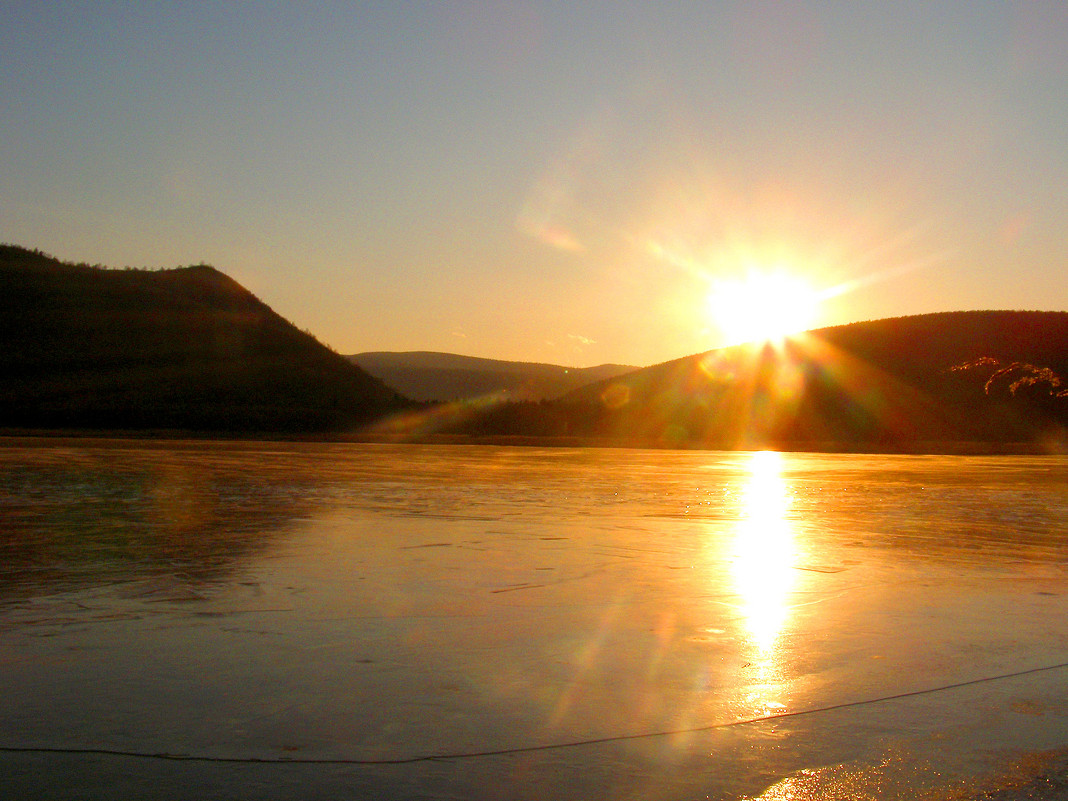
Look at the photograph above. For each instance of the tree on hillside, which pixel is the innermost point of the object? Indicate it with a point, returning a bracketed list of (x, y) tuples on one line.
[(1018, 378)]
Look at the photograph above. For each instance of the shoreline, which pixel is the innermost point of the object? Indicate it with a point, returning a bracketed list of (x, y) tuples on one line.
[(917, 448)]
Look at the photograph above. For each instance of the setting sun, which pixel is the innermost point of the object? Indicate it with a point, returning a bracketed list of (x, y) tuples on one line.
[(763, 306)]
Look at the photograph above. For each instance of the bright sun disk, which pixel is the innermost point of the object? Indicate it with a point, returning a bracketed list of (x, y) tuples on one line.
[(762, 307)]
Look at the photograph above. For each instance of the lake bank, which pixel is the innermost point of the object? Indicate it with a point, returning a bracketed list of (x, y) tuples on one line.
[(1050, 446)]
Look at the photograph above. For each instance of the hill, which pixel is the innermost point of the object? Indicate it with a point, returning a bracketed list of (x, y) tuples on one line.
[(898, 384), (188, 348), (429, 376), (191, 349)]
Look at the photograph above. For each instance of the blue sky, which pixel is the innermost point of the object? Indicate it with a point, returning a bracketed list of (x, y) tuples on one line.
[(543, 181)]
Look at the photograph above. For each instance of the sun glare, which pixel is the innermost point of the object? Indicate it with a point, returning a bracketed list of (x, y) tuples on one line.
[(765, 550), (764, 306)]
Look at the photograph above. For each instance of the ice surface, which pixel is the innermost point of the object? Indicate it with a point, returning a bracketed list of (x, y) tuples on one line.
[(548, 623)]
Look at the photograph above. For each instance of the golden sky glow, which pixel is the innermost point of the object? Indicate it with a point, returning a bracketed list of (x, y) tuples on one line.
[(486, 178)]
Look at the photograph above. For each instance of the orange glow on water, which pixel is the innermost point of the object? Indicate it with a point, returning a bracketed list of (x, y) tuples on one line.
[(764, 551), (762, 570)]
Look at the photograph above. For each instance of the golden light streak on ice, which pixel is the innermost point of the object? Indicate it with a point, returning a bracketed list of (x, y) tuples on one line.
[(762, 570), (764, 552)]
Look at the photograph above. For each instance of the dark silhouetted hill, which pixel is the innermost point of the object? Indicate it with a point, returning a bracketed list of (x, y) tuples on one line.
[(895, 384), (188, 348), (428, 376)]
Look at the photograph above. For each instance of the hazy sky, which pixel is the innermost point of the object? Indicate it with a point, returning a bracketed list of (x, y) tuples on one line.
[(560, 182)]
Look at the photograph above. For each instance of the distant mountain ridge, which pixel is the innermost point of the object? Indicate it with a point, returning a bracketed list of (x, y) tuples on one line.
[(432, 376), (187, 348)]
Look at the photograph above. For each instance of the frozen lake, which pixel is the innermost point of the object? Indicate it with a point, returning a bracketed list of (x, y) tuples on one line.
[(299, 621)]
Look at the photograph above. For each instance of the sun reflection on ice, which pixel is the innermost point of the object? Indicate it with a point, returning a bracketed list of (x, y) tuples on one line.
[(763, 574), (764, 551)]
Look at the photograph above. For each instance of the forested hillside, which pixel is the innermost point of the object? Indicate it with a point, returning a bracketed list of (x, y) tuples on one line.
[(188, 348), (904, 383)]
